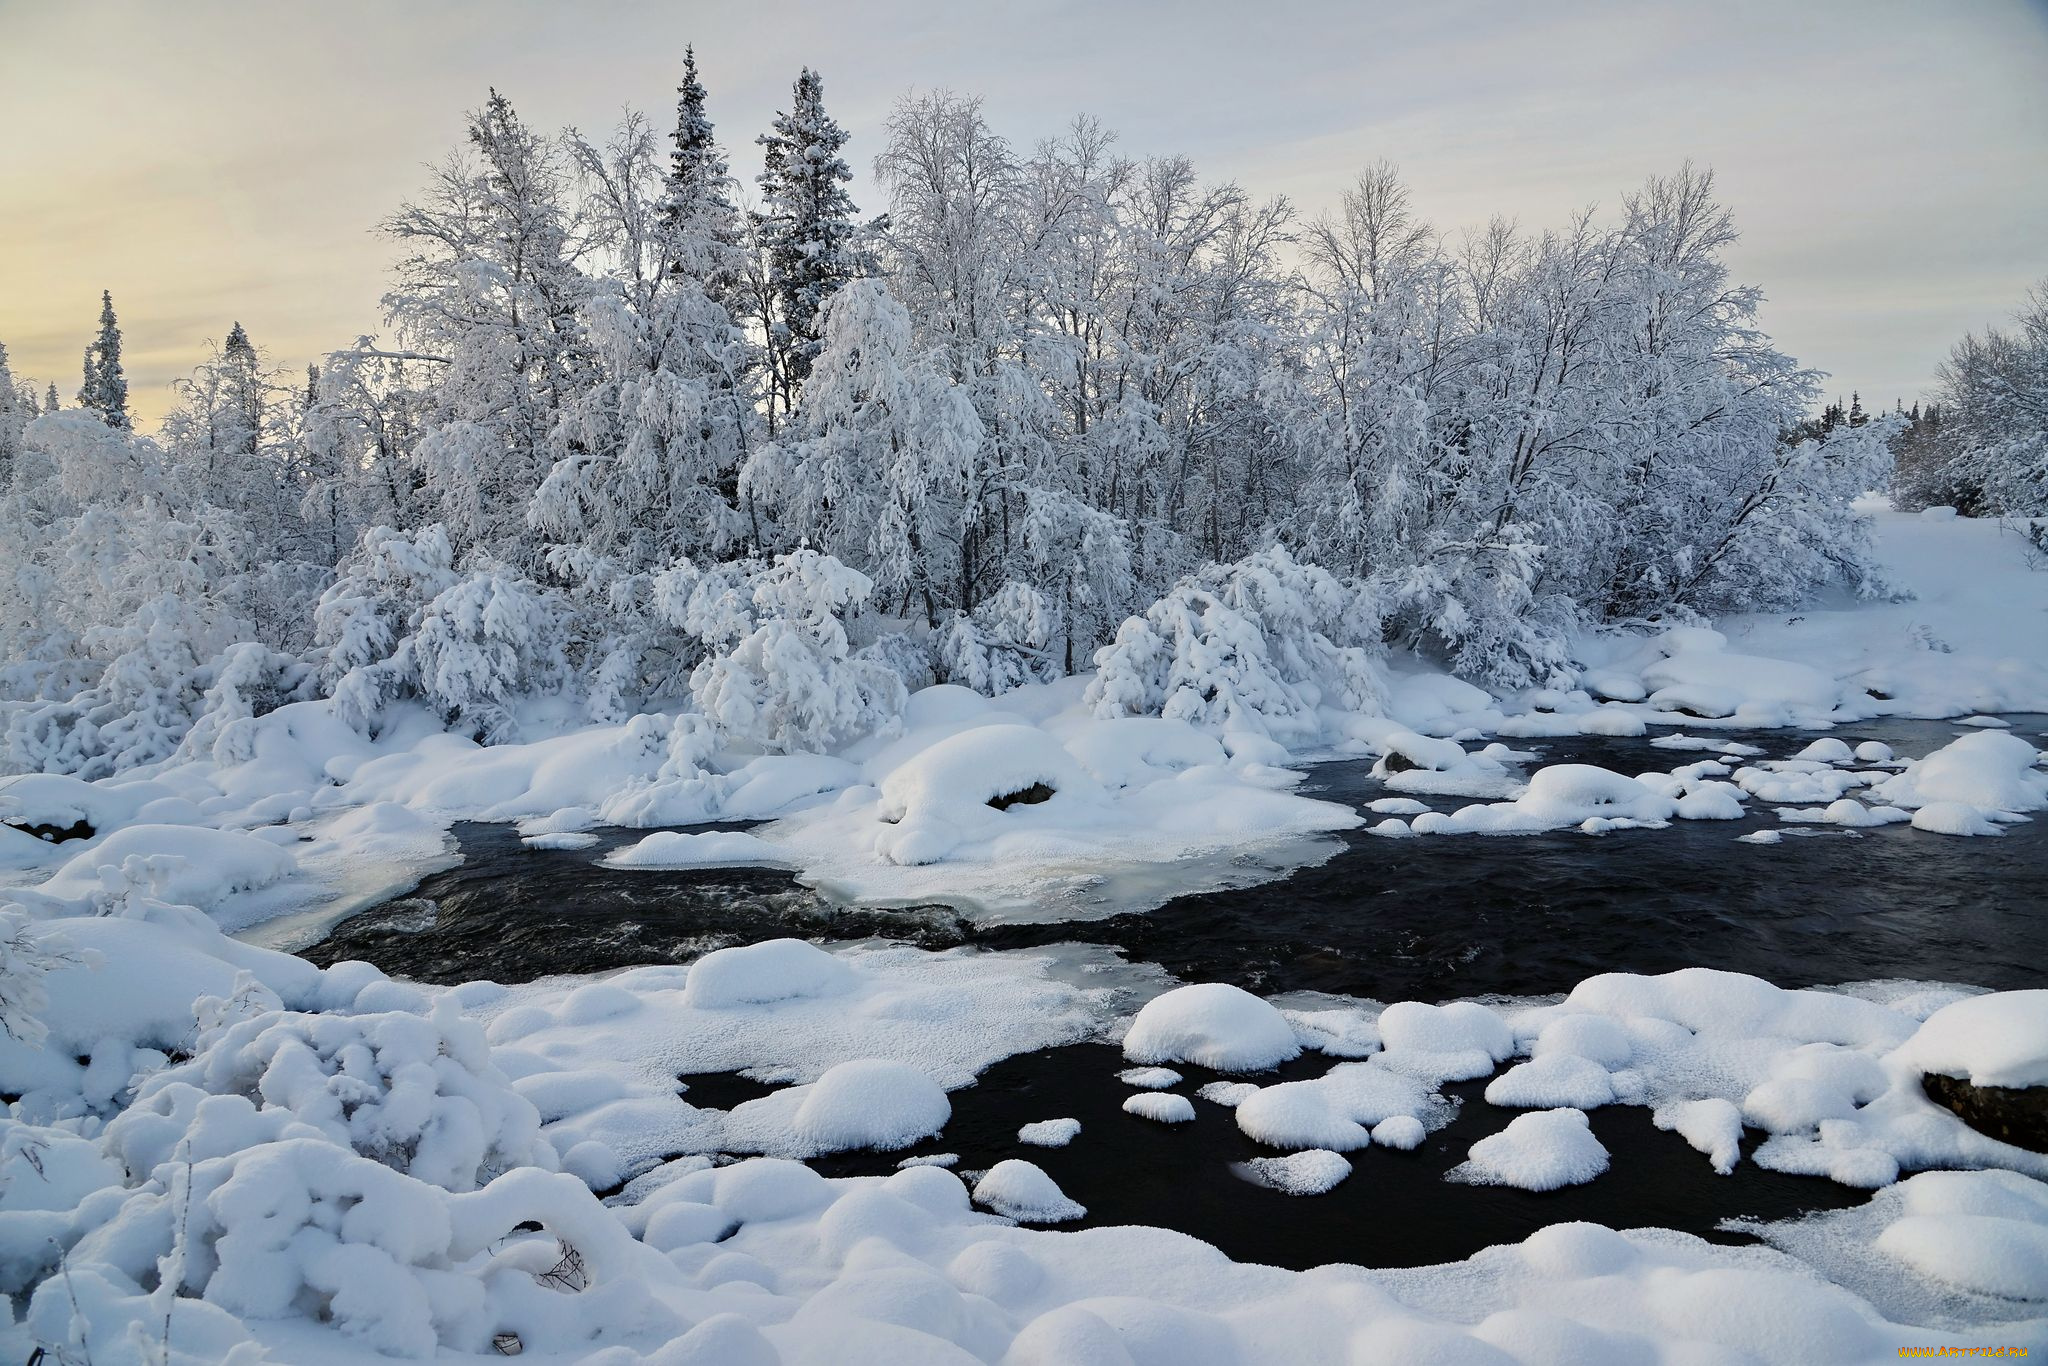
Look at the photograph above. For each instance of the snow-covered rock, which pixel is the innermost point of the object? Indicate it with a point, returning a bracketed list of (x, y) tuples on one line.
[(1211, 1024), (1538, 1151)]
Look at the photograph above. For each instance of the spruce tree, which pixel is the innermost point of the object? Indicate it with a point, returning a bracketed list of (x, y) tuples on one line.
[(697, 211), (806, 229), (50, 403), (242, 384), (105, 388)]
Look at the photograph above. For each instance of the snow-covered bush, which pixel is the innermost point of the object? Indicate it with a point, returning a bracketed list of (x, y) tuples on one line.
[(1255, 646), (400, 621), (790, 681), (1009, 639), (27, 954), (418, 1093)]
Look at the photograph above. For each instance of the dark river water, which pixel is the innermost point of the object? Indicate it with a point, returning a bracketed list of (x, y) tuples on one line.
[(1429, 918)]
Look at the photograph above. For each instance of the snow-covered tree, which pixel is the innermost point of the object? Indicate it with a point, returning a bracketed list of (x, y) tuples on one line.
[(806, 233), (1991, 444), (648, 454), (400, 622), (105, 386), (17, 408), (492, 291)]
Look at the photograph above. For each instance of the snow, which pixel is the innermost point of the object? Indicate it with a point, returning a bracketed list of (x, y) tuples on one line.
[(1018, 1190), (1999, 1039), (1160, 1106), (1846, 812), (1449, 1042), (762, 974), (713, 849), (377, 1151), (1050, 1133), (1149, 1078), (873, 1103), (1539, 1151), (1989, 771), (1954, 818), (1338, 1110), (1309, 1172), (1712, 1126), (181, 863), (1552, 1081), (802, 1266), (1561, 795), (1214, 1025)]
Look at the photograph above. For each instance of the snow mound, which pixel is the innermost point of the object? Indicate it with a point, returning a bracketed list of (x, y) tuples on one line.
[(866, 1103), (1995, 1040), (1214, 1025), (1050, 1133), (713, 849), (941, 796), (1539, 1151), (1310, 1172), (1160, 1106), (1021, 1190), (1453, 1042), (1337, 1110), (1954, 818), (1990, 770), (187, 864), (1552, 1081), (1149, 1078), (1592, 798), (762, 974), (1982, 1232), (1846, 812)]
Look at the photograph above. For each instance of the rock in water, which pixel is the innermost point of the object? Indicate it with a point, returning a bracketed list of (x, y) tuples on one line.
[(2011, 1114)]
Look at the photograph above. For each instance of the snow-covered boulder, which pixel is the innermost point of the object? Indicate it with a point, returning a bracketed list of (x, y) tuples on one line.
[(957, 788), (1986, 1058), (1539, 1151), (1211, 1024), (1021, 1190)]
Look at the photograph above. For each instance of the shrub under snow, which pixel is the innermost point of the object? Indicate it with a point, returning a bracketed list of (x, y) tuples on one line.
[(1254, 646)]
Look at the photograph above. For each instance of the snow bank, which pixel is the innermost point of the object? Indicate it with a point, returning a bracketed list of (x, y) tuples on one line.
[(187, 864), (1212, 1024)]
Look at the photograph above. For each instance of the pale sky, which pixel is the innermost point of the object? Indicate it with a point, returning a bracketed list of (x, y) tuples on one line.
[(1887, 162)]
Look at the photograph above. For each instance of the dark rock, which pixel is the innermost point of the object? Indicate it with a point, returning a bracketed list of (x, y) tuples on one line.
[(1397, 762), (2011, 1114), (1030, 796)]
